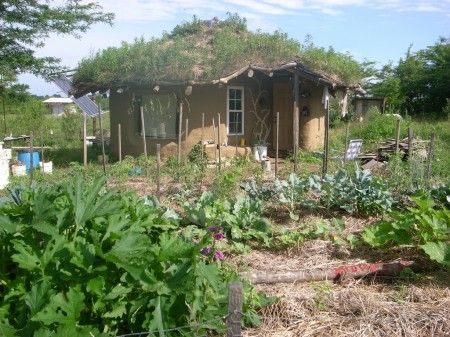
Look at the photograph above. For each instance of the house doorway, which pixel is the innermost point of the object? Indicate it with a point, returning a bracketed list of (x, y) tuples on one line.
[(283, 103)]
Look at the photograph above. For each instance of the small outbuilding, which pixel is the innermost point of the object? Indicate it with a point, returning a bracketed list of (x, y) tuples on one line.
[(363, 104), (59, 105), (206, 68)]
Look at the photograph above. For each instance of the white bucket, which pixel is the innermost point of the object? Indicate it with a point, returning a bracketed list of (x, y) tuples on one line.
[(260, 152), (4, 173), (19, 170), (46, 167)]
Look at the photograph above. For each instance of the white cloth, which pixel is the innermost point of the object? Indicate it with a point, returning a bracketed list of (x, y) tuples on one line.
[(325, 97)]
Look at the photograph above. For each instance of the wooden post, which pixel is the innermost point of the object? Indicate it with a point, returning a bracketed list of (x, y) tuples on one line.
[(84, 140), (180, 126), (276, 142), (94, 126), (346, 141), (119, 140), (203, 136), (397, 136), (326, 144), (158, 171), (144, 142), (42, 152), (31, 150), (186, 148), (295, 122), (214, 141), (218, 141), (237, 136), (430, 155), (410, 140), (101, 137), (235, 299)]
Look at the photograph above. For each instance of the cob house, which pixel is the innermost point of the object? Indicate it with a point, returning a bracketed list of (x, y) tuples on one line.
[(205, 68)]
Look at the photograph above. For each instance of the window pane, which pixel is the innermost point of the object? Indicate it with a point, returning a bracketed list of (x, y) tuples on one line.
[(238, 105), (232, 117), (232, 104), (238, 93), (232, 94)]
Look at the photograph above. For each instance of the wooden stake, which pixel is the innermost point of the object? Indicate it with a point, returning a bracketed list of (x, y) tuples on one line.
[(94, 126), (203, 136), (158, 171), (31, 150), (235, 299), (84, 140), (326, 144), (430, 155), (237, 136), (218, 141), (214, 141), (276, 142), (180, 128), (186, 148), (144, 142), (410, 140), (346, 141), (295, 122), (119, 139), (42, 152), (397, 136), (101, 137)]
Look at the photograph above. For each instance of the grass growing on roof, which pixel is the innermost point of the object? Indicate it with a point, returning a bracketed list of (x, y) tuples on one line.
[(206, 50)]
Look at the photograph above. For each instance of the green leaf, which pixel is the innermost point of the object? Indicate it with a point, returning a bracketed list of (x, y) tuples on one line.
[(438, 251), (26, 257), (63, 308)]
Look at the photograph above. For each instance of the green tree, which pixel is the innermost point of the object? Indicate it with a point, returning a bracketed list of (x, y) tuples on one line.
[(25, 24)]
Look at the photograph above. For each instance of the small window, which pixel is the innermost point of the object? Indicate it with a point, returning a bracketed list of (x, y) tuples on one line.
[(235, 108), (160, 115)]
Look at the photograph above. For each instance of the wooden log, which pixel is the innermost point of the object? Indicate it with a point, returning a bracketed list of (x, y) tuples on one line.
[(332, 274), (235, 301)]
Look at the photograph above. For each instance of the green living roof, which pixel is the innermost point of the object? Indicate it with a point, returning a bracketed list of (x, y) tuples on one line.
[(203, 51)]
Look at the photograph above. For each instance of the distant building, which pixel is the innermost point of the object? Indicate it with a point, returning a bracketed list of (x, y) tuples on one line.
[(363, 104), (60, 104)]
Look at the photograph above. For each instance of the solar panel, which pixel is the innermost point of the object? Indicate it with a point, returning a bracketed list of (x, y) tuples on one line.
[(85, 103)]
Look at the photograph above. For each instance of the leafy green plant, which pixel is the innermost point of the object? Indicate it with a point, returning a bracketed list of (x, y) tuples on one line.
[(291, 193), (426, 225), (80, 260)]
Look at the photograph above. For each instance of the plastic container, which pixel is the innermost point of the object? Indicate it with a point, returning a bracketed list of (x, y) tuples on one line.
[(4, 173), (24, 157), (46, 167), (18, 170)]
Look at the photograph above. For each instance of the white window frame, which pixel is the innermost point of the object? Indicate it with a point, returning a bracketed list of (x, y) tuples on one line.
[(242, 111)]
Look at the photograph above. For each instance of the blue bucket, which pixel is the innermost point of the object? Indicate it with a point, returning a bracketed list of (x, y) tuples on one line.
[(24, 157)]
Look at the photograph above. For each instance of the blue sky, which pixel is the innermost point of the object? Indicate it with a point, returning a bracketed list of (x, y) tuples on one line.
[(378, 30)]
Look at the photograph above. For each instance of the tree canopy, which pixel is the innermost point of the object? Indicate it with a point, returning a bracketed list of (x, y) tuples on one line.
[(207, 50), (25, 24), (419, 83)]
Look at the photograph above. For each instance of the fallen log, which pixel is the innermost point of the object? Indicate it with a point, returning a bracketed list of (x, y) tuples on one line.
[(334, 274)]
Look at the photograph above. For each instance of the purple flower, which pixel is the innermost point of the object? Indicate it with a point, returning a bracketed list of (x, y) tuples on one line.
[(219, 256), (218, 236), (206, 251), (214, 229)]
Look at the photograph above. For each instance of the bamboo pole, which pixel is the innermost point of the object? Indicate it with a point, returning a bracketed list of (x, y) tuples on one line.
[(119, 139), (84, 140), (218, 141), (397, 136), (180, 128), (277, 142), (186, 148), (158, 171), (31, 150), (296, 121), (101, 137)]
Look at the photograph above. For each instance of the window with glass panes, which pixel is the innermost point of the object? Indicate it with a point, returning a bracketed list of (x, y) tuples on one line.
[(235, 110)]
